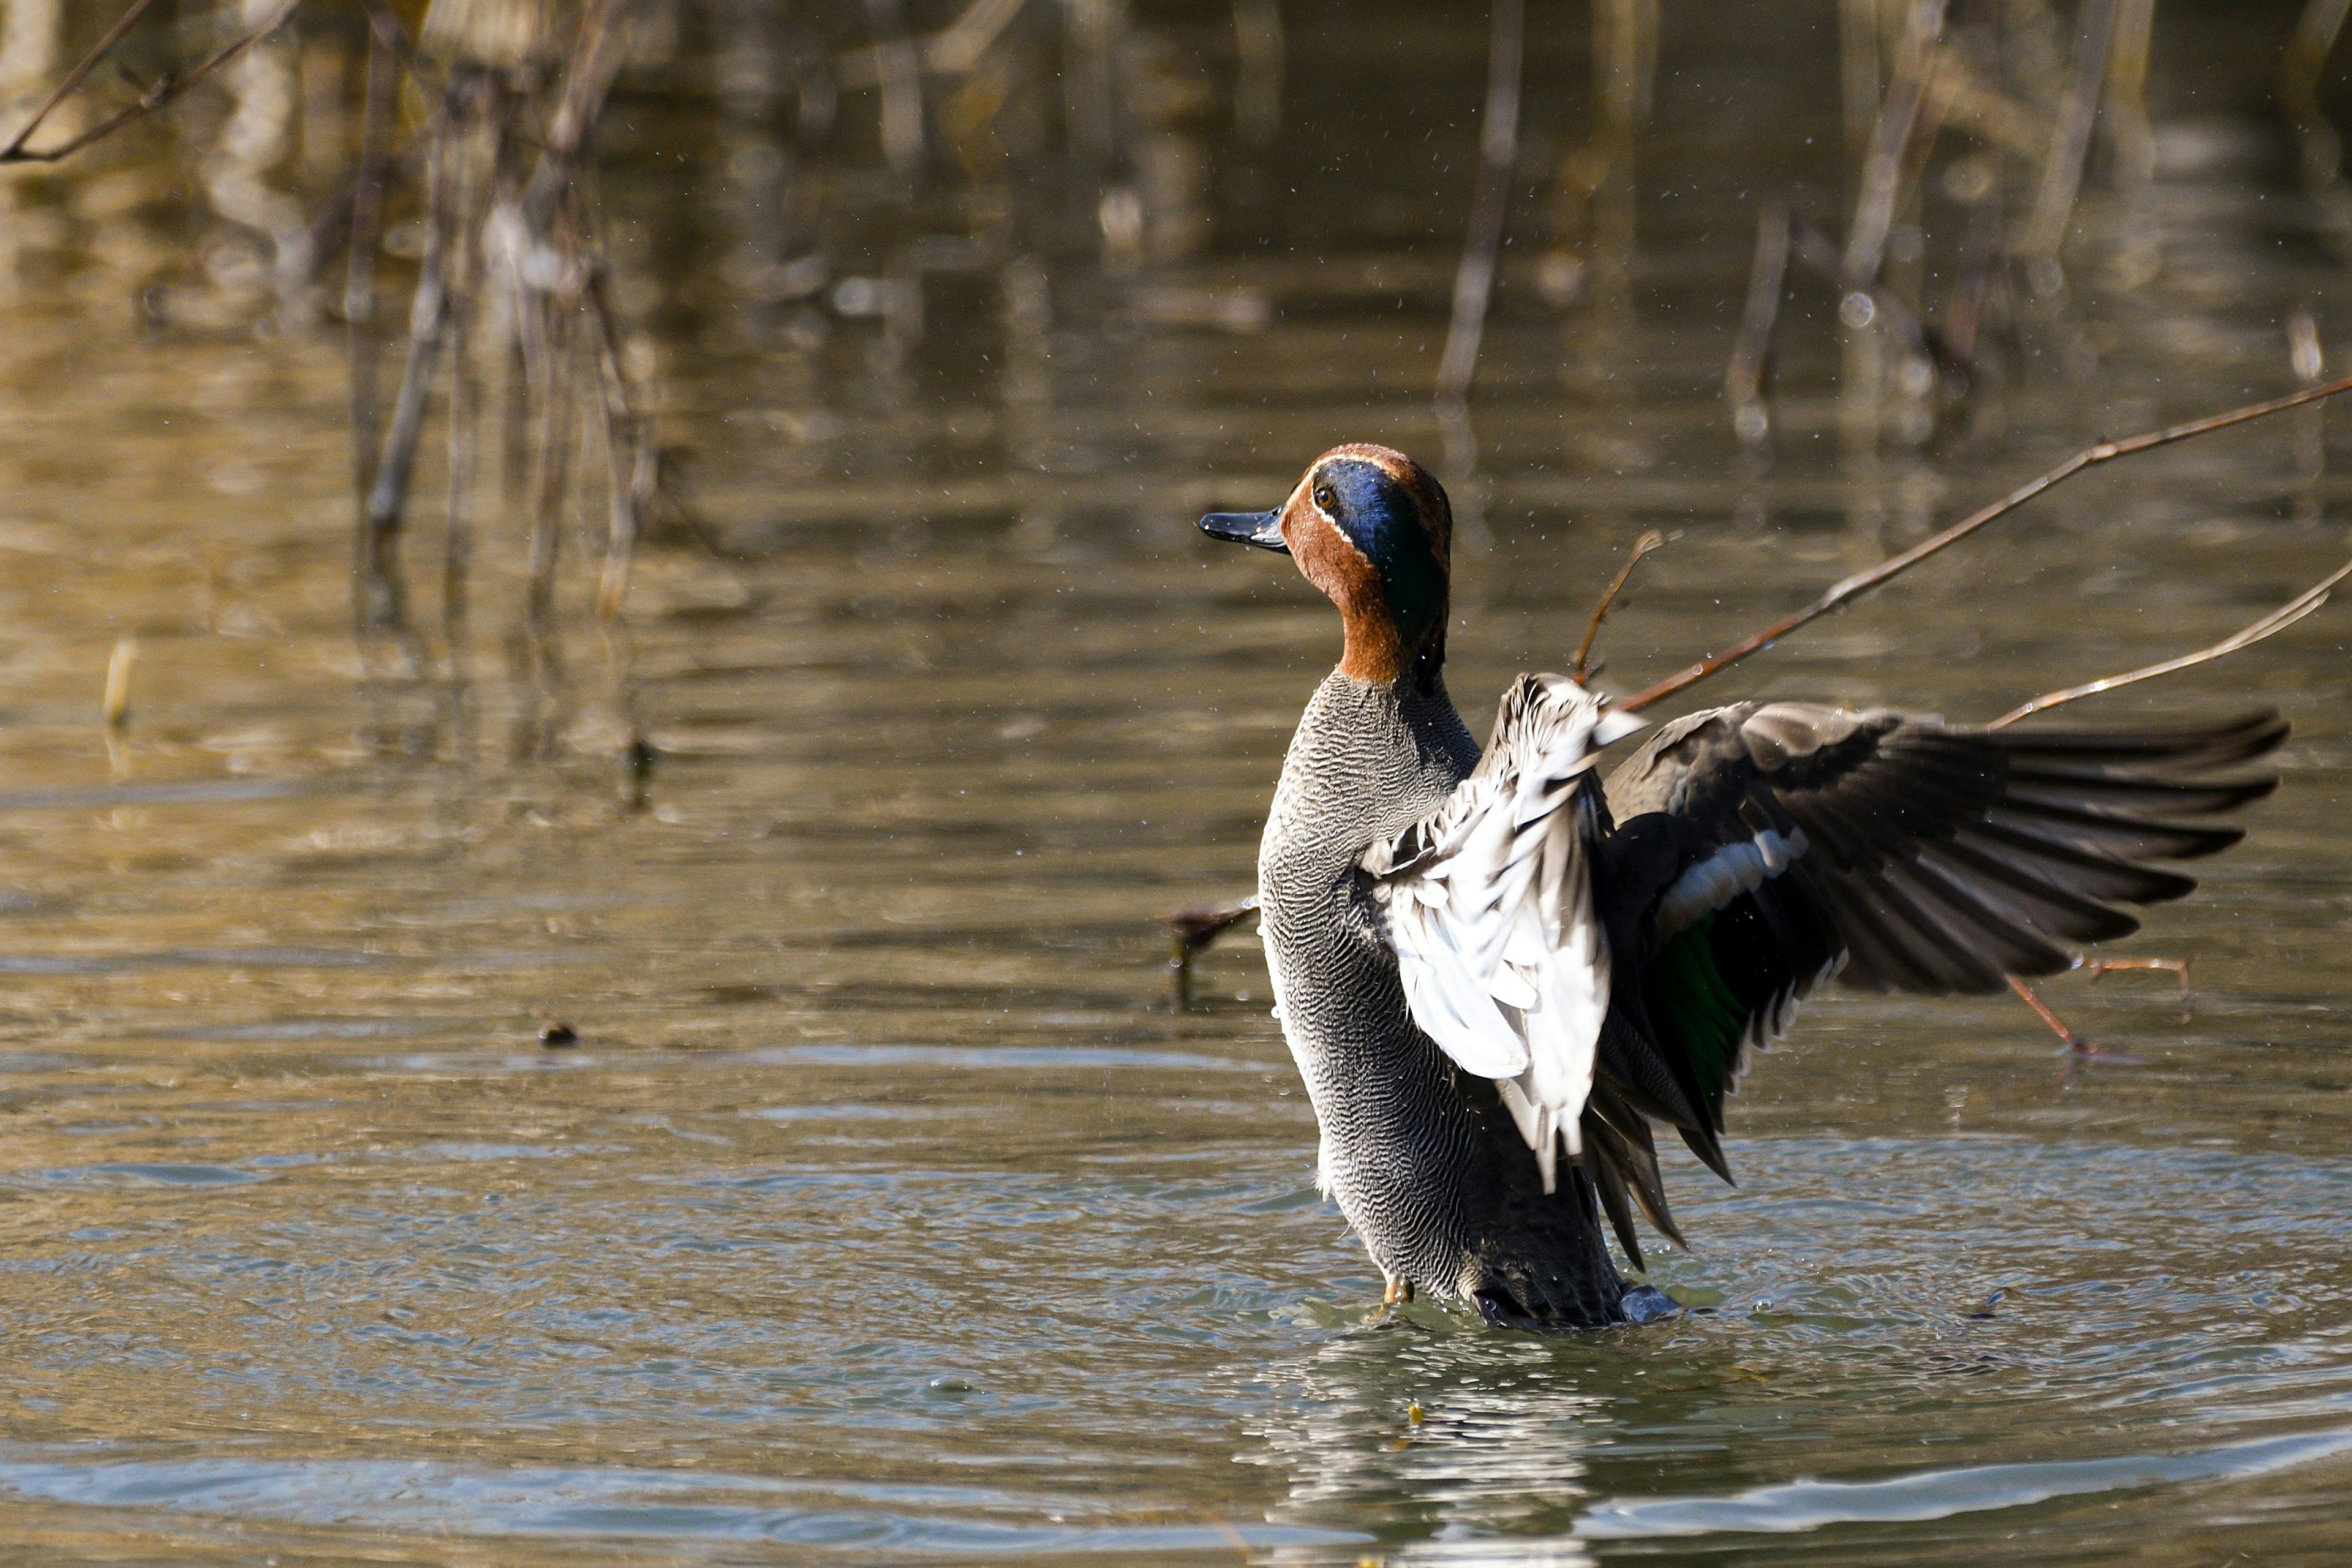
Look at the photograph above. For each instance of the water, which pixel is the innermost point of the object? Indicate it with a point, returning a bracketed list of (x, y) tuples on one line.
[(886, 1211)]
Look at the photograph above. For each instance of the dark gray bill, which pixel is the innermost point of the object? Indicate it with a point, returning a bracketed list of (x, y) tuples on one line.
[(1263, 529)]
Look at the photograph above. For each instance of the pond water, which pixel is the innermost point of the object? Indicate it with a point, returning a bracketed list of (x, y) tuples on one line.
[(886, 1210)]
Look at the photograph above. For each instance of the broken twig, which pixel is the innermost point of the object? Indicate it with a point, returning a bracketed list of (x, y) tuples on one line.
[(1654, 540), (1844, 593), (2277, 621)]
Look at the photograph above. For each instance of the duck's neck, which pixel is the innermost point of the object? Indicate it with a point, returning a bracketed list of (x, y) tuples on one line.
[(1375, 652)]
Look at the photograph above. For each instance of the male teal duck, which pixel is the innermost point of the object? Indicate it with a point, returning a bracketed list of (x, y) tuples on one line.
[(1497, 973)]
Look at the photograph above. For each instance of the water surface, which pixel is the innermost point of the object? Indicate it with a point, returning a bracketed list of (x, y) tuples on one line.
[(886, 1211)]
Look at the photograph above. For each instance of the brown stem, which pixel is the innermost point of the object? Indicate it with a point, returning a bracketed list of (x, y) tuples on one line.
[(899, 66), (550, 467), (74, 78), (1853, 587), (597, 56), (1882, 181), (428, 320)]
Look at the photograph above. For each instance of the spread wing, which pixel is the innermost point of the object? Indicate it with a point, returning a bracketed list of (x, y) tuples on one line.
[(1760, 849), (1489, 903)]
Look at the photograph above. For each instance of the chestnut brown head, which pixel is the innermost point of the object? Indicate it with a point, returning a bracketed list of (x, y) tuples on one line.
[(1372, 529)]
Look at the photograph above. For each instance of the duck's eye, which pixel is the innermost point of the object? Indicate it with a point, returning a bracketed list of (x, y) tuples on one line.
[(1325, 499)]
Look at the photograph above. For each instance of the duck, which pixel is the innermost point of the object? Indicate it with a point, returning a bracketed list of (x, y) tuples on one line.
[(1502, 974)]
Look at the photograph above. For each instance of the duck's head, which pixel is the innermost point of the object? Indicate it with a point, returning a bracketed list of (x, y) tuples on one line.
[(1372, 529)]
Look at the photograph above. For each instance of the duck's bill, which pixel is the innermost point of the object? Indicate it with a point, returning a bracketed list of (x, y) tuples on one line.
[(1263, 529)]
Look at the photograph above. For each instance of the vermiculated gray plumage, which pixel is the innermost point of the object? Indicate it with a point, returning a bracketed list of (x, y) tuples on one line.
[(1422, 1157)]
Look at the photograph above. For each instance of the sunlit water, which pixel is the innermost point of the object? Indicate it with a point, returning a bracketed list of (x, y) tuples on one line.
[(886, 1210)]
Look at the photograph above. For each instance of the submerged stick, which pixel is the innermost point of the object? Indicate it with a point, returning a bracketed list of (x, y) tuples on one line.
[(631, 467), (2277, 621), (1844, 593), (1751, 352)]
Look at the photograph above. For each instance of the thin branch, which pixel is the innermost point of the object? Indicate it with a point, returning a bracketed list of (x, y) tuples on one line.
[(2277, 621), (167, 87), (1853, 587), (384, 28), (898, 68), (74, 78), (1654, 540), (598, 52)]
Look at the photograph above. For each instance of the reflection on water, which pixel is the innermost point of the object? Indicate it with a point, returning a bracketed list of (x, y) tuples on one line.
[(882, 1208)]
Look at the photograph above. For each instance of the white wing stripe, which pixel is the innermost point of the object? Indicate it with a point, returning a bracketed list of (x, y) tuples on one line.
[(1734, 869)]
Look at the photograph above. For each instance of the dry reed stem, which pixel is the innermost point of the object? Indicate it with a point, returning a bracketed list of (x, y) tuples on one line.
[(1498, 146), (2062, 171), (1751, 351), (2321, 150), (360, 289), (1844, 593), (447, 236), (1882, 169), (631, 463), (898, 71)]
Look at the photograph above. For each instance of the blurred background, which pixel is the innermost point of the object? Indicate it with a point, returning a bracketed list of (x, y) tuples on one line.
[(607, 677)]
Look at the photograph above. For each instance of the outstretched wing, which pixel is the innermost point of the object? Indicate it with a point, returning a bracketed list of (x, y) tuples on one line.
[(1761, 847), (1489, 904)]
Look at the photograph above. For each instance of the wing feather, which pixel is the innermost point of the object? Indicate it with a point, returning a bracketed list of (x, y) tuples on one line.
[(1490, 906)]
